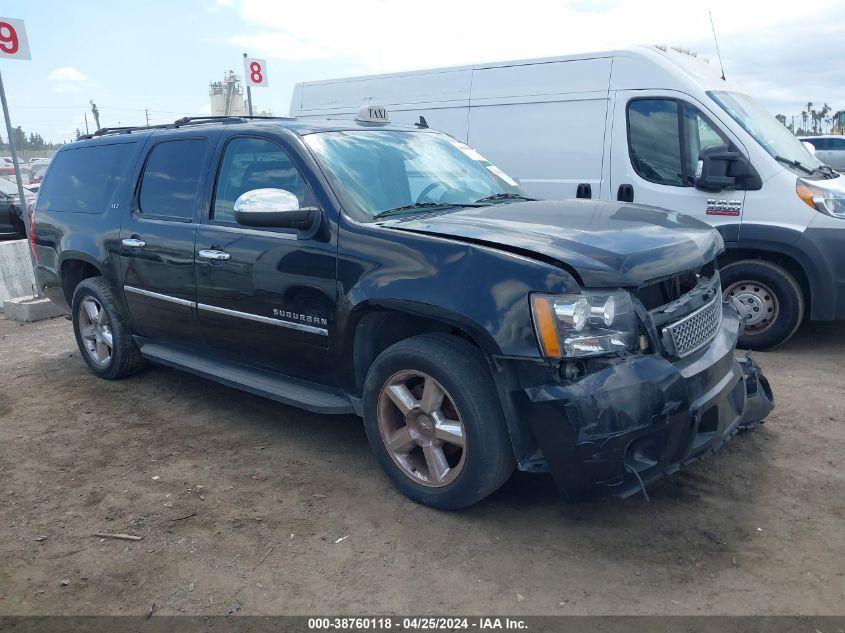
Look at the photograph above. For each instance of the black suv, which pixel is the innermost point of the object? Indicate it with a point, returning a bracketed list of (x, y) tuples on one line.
[(392, 272)]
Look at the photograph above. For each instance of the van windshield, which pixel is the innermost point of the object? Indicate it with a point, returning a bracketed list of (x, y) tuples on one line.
[(763, 127), (376, 171)]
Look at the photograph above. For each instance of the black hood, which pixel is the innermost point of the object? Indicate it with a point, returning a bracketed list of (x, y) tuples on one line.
[(607, 243)]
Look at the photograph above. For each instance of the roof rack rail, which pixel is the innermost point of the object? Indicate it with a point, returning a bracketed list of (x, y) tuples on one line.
[(226, 117), (185, 120), (126, 129)]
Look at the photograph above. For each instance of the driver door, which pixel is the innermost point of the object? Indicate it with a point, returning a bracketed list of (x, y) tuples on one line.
[(656, 143), (265, 296)]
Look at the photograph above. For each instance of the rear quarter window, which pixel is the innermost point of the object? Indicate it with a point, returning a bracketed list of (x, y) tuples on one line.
[(85, 179)]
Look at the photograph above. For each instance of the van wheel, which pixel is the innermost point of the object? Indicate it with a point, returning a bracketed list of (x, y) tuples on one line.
[(435, 423), (771, 296), (102, 331)]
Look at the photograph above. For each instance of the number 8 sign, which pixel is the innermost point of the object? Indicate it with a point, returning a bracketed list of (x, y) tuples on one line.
[(255, 72), (13, 42)]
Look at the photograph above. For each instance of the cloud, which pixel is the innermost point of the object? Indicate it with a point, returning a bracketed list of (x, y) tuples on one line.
[(66, 73), (68, 79), (776, 55), (384, 35)]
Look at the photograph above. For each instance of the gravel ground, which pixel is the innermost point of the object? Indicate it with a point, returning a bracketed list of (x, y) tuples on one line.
[(248, 506)]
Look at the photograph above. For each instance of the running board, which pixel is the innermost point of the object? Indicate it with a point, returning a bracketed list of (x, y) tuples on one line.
[(297, 393)]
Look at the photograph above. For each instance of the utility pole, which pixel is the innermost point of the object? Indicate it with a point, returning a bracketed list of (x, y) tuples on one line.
[(147, 114), (86, 123), (96, 114), (248, 94)]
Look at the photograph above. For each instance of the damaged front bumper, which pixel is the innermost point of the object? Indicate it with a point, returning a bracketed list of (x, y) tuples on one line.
[(643, 417)]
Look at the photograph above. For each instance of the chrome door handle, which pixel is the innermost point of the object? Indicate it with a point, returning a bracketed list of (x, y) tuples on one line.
[(220, 256), (133, 242)]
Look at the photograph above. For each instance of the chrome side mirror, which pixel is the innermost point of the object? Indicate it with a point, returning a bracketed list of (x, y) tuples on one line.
[(276, 208)]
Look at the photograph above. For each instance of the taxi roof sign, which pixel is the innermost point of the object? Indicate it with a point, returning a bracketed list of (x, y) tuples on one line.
[(369, 113)]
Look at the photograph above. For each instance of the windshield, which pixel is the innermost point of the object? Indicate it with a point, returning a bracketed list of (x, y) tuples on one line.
[(374, 171), (763, 127)]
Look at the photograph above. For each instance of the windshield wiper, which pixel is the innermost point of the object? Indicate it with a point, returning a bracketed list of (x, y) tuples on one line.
[(505, 196), (827, 170), (422, 206), (796, 164)]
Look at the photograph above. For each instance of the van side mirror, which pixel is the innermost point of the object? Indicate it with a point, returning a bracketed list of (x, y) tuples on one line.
[(714, 170), (276, 208)]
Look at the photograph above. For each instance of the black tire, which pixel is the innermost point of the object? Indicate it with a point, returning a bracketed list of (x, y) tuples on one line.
[(767, 289), (125, 358), (463, 373)]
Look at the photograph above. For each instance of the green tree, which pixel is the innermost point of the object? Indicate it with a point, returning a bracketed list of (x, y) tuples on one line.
[(19, 137)]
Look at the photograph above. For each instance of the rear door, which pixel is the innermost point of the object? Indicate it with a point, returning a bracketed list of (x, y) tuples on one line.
[(655, 146), (158, 233), (265, 296)]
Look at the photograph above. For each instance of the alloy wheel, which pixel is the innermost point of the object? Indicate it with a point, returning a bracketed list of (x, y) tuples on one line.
[(421, 428), (95, 331)]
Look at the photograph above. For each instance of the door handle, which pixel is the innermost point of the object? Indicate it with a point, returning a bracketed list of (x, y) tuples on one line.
[(625, 193), (215, 255), (133, 242)]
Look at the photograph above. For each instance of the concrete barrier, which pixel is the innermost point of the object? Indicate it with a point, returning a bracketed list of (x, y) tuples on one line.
[(16, 276)]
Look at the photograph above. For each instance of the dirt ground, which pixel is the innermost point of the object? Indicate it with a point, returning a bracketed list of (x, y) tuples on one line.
[(246, 505)]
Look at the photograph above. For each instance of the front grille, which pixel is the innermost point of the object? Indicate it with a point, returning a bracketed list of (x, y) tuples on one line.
[(695, 330)]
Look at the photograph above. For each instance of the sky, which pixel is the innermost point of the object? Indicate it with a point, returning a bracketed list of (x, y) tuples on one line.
[(149, 54)]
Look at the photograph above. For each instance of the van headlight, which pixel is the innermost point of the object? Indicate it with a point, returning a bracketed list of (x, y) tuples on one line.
[(828, 201), (587, 324)]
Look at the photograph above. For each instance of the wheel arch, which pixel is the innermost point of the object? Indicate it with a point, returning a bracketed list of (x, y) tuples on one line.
[(373, 327), (788, 262), (74, 268)]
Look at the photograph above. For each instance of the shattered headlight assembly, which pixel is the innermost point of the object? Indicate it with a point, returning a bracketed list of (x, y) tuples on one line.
[(591, 323), (827, 200)]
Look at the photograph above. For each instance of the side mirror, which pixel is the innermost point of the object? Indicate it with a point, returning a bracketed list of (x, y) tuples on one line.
[(809, 147), (714, 170), (277, 208)]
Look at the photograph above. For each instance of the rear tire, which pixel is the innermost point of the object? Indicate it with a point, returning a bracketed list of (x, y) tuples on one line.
[(771, 295), (102, 331), (435, 423)]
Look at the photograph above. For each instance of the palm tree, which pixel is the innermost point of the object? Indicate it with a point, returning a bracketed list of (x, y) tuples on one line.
[(823, 114), (804, 120)]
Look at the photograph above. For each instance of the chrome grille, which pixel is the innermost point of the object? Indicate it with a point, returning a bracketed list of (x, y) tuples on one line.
[(697, 329)]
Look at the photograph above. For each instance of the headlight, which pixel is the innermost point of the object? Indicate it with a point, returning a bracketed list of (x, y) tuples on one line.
[(829, 201), (587, 324)]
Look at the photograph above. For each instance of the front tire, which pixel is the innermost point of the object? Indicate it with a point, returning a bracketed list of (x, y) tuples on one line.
[(771, 296), (102, 331), (434, 421)]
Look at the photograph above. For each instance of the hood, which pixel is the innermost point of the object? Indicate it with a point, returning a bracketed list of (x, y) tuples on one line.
[(607, 243)]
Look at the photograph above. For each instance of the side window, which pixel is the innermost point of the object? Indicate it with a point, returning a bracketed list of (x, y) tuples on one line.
[(255, 163), (84, 180), (655, 142), (170, 182), (699, 134), (837, 144)]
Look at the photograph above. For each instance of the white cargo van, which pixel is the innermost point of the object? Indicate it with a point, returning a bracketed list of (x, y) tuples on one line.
[(649, 125)]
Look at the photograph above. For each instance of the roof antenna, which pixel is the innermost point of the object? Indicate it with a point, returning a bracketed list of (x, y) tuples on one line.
[(717, 44), (423, 124)]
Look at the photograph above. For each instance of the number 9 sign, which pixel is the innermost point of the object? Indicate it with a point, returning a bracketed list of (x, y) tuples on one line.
[(255, 71), (13, 41)]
